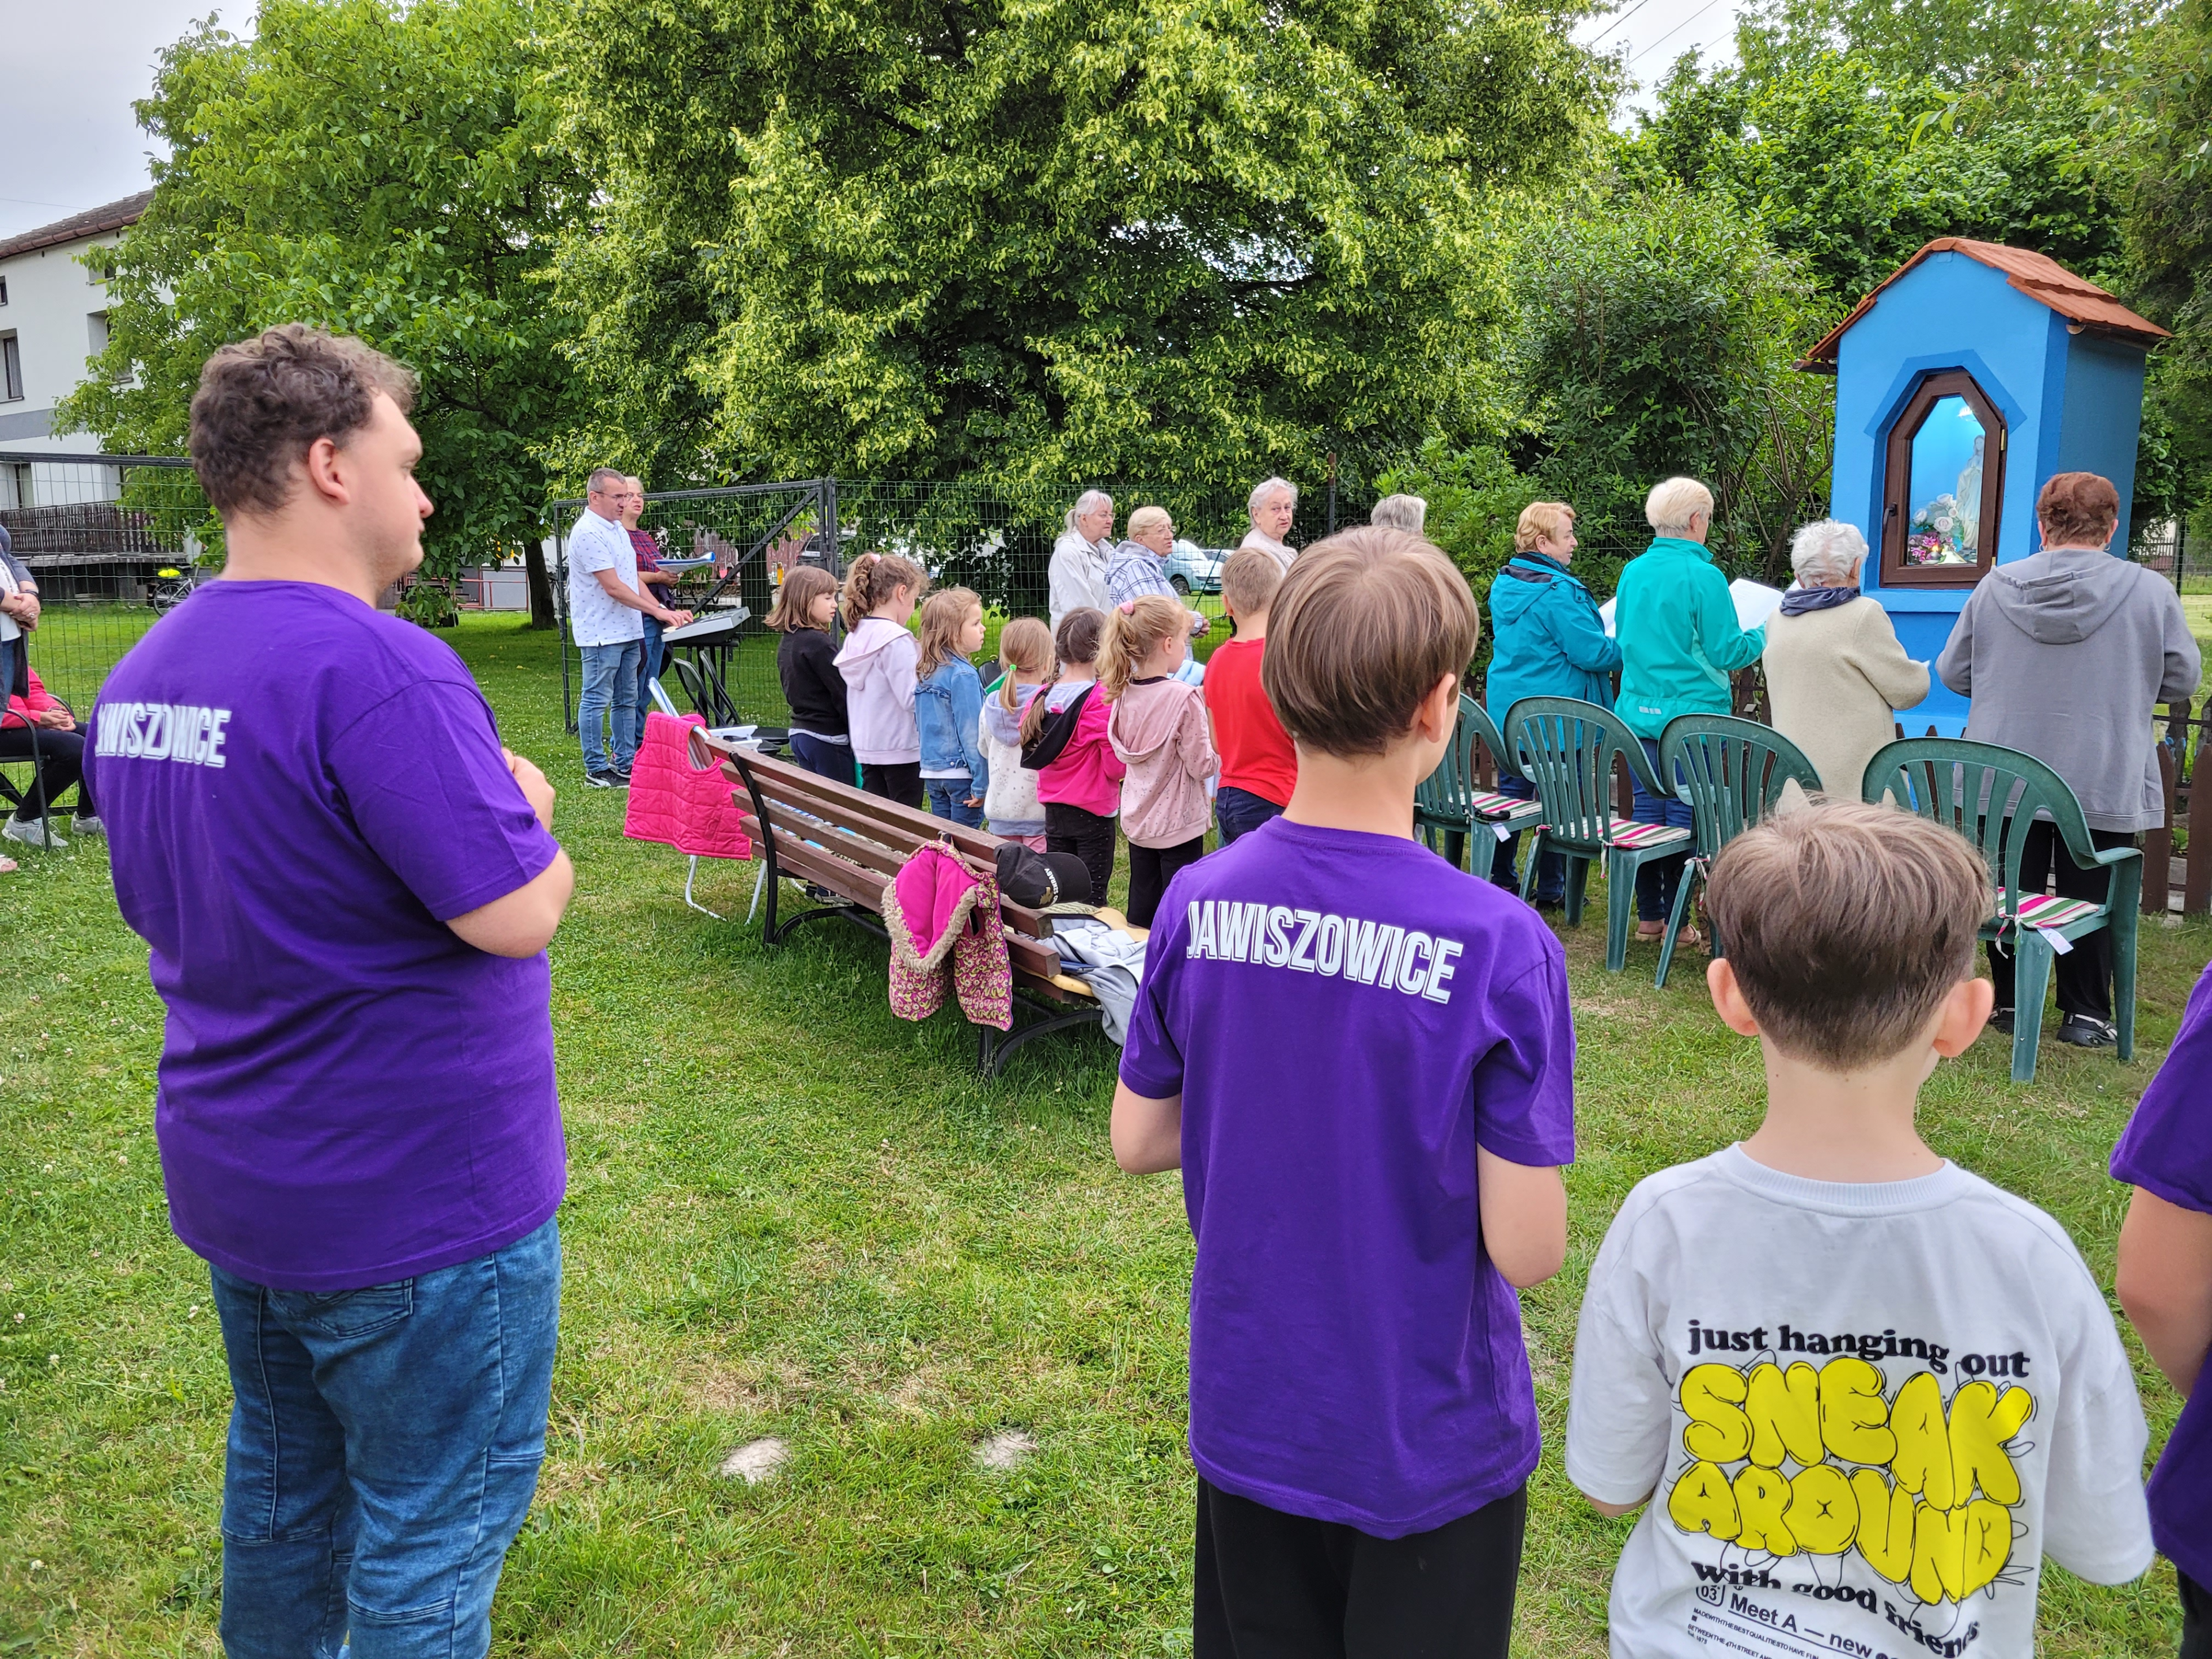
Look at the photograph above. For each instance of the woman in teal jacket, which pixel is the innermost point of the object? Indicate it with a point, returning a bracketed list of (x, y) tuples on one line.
[(1680, 641), (1546, 641)]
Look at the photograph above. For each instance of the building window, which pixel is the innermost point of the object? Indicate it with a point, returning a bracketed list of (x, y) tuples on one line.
[(16, 485), (3, 290), (1943, 486), (11, 370), (95, 330)]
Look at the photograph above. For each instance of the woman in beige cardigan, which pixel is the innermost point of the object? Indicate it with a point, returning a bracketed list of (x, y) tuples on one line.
[(1834, 669)]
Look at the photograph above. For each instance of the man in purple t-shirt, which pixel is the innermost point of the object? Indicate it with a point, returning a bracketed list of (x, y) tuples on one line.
[(2166, 1286), (1362, 1060), (348, 886)]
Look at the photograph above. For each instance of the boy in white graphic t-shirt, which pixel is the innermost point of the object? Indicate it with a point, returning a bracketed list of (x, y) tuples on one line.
[(1863, 1392)]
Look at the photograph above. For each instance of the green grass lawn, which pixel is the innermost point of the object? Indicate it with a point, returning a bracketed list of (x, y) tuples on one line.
[(792, 1215)]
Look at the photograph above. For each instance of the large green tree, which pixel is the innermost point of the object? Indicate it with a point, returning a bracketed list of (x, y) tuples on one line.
[(1175, 240), (2169, 226), (383, 169)]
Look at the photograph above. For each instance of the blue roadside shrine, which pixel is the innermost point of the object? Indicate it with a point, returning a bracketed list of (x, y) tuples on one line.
[(1965, 380)]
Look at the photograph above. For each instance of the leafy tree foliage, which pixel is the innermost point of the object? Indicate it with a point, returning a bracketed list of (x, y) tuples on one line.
[(1176, 240), (2169, 229), (382, 169), (1851, 168)]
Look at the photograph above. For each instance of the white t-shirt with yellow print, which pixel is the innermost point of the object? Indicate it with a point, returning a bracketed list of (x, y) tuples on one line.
[(1865, 1413)]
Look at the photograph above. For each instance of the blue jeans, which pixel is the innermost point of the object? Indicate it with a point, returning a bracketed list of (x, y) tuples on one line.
[(609, 685), (1550, 868), (948, 798), (384, 1449), (649, 660), (1655, 881), (1239, 811), (833, 760)]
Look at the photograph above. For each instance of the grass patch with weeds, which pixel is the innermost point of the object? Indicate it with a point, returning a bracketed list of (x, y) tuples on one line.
[(794, 1218)]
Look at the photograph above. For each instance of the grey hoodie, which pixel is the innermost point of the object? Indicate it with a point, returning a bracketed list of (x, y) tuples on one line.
[(2065, 653)]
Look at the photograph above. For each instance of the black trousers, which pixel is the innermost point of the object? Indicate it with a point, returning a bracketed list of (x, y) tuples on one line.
[(1089, 837), (900, 780), (1276, 1586), (2195, 1618), (1150, 869), (61, 763), (2085, 973)]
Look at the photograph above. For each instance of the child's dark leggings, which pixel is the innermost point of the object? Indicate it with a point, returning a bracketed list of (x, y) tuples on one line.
[(1150, 869), (900, 780), (1090, 837), (1268, 1583)]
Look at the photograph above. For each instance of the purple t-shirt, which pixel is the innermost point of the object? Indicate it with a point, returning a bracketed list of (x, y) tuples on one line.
[(1346, 1017), (299, 793), (2166, 1150)]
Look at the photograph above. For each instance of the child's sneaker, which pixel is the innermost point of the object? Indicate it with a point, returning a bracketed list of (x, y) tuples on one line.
[(84, 823)]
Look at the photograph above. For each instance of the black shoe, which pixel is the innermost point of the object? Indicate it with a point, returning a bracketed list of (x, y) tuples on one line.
[(2087, 1032), (599, 780), (2000, 1020)]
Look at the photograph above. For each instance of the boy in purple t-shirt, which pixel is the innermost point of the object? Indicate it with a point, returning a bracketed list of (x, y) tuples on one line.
[(2166, 1286), (346, 886), (1362, 1060)]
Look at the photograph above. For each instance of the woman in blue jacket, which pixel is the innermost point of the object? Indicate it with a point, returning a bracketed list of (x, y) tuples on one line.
[(1546, 641)]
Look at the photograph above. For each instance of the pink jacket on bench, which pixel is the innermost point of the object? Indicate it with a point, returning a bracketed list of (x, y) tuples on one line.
[(672, 800)]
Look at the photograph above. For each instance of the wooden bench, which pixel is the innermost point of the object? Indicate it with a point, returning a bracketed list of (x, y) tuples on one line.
[(846, 844)]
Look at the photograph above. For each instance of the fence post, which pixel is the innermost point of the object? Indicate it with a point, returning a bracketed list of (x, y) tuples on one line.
[(826, 491), (2158, 845), (2196, 893)]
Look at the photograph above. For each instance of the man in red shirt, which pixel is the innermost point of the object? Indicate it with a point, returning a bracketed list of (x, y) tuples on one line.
[(1259, 765)]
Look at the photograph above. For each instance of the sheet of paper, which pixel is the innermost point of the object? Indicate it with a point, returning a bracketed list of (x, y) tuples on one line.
[(1755, 602)]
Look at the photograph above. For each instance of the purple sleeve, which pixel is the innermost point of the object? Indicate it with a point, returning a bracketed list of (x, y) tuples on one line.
[(424, 780), (1524, 1087), (2167, 1148), (1152, 1063)]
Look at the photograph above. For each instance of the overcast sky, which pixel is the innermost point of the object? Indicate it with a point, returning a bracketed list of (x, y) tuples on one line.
[(67, 141)]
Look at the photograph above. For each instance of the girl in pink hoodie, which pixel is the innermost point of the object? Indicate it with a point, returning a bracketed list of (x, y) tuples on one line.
[(1064, 742), (878, 663), (1159, 729)]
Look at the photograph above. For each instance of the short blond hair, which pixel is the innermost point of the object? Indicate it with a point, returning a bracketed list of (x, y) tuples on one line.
[(1147, 519), (1250, 579), (1362, 628), (1674, 502), (1548, 519), (1847, 924)]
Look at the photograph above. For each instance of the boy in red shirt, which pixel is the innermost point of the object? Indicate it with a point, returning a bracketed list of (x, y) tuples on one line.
[(1259, 765)]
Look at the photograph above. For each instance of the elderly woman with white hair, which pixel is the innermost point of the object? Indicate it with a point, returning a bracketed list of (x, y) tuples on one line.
[(1273, 503), (1081, 556), (1835, 673), (1407, 513), (1680, 641)]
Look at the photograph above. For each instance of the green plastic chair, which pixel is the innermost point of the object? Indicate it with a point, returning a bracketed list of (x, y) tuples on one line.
[(1566, 748), (1449, 801), (1734, 772), (1990, 795)]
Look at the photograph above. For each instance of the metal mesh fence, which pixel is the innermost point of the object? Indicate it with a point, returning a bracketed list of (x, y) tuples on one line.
[(111, 541), (990, 538)]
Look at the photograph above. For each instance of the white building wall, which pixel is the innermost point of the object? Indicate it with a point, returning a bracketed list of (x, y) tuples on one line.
[(56, 311)]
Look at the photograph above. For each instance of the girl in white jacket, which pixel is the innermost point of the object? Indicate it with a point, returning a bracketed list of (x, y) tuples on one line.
[(877, 661)]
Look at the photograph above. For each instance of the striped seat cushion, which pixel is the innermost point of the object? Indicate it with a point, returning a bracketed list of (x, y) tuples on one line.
[(1635, 837), (1499, 806), (2043, 911)]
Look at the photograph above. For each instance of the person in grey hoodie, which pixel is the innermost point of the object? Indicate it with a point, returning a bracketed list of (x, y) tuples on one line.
[(2066, 653)]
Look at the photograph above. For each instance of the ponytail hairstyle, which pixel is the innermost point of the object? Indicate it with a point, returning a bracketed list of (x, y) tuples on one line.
[(1080, 630), (1024, 647), (943, 616), (873, 578), (803, 584), (1134, 630)]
